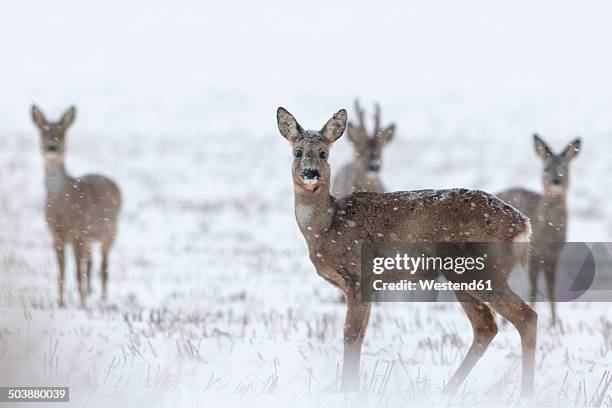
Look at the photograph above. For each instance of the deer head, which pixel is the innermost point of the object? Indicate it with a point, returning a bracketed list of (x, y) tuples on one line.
[(53, 134), (368, 146), (311, 171), (556, 166)]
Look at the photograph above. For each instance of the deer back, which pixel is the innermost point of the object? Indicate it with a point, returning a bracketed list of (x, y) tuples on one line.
[(86, 210), (456, 215)]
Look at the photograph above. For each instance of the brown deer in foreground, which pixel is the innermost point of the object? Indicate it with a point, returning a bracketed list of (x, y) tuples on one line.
[(548, 214), (362, 174), (334, 229), (80, 211)]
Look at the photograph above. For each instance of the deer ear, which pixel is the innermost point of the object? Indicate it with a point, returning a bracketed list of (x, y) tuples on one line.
[(541, 147), (38, 117), (287, 125), (334, 128), (572, 149), (68, 117), (386, 135)]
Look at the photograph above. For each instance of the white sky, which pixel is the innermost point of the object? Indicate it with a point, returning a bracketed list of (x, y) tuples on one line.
[(290, 46)]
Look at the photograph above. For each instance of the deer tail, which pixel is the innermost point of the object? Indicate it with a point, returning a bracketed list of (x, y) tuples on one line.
[(520, 243)]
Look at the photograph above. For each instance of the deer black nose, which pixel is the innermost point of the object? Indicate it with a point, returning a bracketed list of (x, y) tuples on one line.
[(374, 167), (556, 182), (310, 174), (52, 149)]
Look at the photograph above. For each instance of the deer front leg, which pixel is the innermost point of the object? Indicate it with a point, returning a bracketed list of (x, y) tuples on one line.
[(60, 253), (534, 269), (79, 258), (355, 325)]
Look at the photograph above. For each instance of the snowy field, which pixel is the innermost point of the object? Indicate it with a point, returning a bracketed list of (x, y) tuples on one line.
[(213, 300)]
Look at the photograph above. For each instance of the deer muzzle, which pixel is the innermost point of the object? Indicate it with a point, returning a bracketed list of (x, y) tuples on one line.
[(310, 176)]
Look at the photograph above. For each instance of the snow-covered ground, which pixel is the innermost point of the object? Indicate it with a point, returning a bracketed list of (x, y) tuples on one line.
[(212, 297)]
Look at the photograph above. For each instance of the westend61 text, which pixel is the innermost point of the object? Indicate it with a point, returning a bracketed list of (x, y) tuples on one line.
[(431, 284)]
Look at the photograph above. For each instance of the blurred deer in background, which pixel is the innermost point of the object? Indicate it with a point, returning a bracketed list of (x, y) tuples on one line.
[(80, 211), (362, 174), (334, 230), (548, 215)]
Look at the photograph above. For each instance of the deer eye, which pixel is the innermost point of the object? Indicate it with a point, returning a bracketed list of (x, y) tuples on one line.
[(298, 153), (323, 155)]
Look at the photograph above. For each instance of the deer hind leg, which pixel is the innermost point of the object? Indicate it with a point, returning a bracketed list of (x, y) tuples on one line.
[(355, 325), (525, 319), (61, 261), (485, 329), (106, 246), (79, 258), (549, 273)]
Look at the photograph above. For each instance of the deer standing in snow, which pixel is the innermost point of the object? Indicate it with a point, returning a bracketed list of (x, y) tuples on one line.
[(80, 211), (335, 228), (548, 215), (362, 174)]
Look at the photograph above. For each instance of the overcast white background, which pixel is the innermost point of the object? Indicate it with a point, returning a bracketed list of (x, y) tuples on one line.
[(277, 50)]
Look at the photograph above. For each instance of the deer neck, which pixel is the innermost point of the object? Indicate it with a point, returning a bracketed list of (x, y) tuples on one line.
[(314, 211), (56, 178), (553, 213), (554, 200), (361, 164)]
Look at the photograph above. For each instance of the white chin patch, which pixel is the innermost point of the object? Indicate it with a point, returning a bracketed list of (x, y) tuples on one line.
[(310, 181), (556, 189)]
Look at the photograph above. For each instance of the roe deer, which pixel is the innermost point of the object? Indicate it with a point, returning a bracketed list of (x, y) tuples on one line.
[(362, 173), (80, 211), (335, 228), (548, 214)]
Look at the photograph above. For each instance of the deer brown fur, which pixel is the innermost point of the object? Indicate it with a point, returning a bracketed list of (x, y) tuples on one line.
[(334, 229), (548, 214), (362, 174), (80, 211)]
